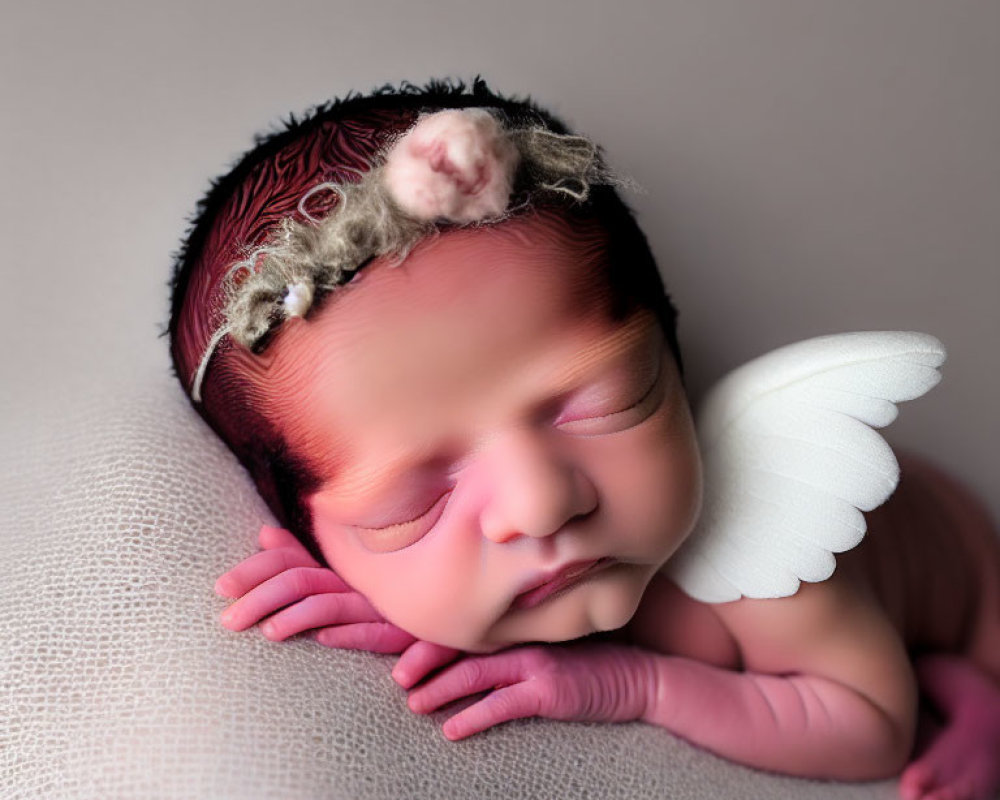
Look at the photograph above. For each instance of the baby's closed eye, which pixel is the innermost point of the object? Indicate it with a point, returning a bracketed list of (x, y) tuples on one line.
[(397, 535), (603, 409)]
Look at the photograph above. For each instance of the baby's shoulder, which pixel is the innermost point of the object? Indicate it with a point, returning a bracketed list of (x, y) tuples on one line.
[(669, 621), (821, 627), (833, 630), (788, 634)]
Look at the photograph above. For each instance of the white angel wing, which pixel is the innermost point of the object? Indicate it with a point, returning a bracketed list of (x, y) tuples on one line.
[(791, 460)]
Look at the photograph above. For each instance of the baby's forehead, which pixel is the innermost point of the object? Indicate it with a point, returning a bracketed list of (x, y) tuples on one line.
[(535, 272), (463, 313)]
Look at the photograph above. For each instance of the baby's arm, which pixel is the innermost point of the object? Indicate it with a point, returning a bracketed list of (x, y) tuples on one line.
[(827, 691)]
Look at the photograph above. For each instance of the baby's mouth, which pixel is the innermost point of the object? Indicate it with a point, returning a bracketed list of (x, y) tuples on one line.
[(544, 586)]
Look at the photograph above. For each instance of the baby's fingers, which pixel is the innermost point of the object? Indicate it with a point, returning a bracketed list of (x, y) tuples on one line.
[(374, 637), (258, 568), (284, 589), (467, 677), (319, 611), (271, 538), (421, 659), (503, 705)]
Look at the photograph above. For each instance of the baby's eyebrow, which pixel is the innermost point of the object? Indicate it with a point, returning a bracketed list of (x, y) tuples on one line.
[(368, 486), (628, 348)]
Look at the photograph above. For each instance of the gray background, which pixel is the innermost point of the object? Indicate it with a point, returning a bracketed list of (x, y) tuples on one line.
[(809, 167)]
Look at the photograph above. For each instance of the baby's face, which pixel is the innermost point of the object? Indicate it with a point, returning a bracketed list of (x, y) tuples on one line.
[(502, 462)]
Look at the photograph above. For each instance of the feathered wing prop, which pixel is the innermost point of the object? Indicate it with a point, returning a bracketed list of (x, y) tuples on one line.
[(791, 459)]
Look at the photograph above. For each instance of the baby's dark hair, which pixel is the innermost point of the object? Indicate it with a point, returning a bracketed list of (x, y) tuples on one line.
[(332, 143)]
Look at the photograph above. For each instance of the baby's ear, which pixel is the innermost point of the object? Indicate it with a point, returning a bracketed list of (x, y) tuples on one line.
[(455, 165)]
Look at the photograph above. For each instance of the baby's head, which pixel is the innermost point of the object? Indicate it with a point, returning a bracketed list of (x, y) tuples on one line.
[(487, 437)]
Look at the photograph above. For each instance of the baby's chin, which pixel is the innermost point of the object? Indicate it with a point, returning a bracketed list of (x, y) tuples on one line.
[(593, 608)]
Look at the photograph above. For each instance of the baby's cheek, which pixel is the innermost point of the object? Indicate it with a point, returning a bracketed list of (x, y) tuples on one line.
[(447, 623), (669, 473), (430, 593), (653, 498)]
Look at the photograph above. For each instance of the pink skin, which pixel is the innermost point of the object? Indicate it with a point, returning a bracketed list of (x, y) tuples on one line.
[(549, 436), (585, 682), (529, 479), (961, 758), (286, 591), (285, 576)]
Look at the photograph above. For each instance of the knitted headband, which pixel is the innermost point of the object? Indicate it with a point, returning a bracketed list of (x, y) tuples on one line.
[(451, 168)]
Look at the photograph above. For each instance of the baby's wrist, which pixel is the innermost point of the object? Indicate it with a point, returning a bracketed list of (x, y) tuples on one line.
[(656, 684), (635, 669)]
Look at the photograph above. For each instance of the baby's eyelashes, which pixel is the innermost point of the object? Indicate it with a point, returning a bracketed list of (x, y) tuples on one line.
[(398, 535), (596, 416)]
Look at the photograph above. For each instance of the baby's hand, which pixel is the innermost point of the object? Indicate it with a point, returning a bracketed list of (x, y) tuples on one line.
[(584, 682), (288, 587), (419, 660)]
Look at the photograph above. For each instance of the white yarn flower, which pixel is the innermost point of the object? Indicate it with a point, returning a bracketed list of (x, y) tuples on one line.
[(297, 300), (456, 165)]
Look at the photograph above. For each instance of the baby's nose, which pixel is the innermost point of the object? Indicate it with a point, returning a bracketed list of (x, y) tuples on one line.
[(534, 489)]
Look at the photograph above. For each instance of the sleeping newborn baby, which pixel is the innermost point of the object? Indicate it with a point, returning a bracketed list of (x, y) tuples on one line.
[(435, 336)]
